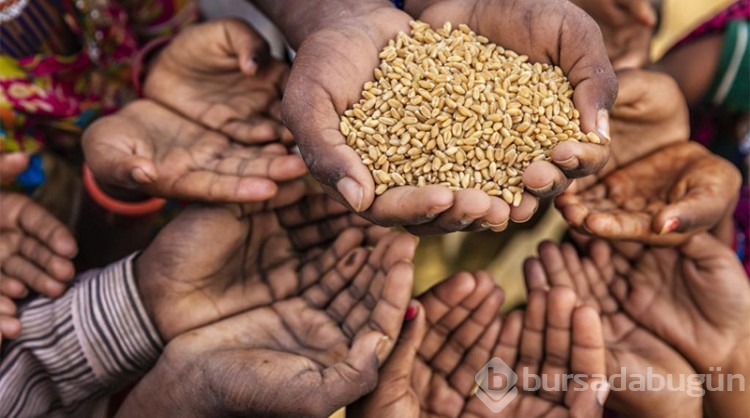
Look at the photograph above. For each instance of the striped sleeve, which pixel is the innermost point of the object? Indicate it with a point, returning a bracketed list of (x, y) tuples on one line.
[(87, 343)]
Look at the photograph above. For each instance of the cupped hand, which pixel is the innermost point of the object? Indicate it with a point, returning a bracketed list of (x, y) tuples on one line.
[(627, 27), (660, 199), (631, 348), (696, 296), (150, 149), (431, 371), (552, 339), (330, 69), (213, 262), (36, 250), (553, 32), (221, 74), (305, 354)]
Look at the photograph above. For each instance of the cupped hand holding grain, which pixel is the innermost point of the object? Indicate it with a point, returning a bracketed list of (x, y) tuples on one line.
[(331, 66), (662, 199), (552, 32)]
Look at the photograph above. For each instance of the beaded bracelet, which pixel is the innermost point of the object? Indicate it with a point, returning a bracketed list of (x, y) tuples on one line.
[(398, 3)]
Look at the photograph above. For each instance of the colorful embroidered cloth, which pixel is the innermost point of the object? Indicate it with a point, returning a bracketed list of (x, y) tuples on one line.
[(65, 63)]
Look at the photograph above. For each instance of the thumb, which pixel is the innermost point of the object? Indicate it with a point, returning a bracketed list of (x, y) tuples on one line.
[(705, 246), (643, 12), (251, 49), (695, 211), (400, 364), (12, 164)]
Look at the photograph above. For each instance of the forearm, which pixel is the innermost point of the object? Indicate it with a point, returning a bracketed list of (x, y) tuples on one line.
[(298, 19), (90, 341)]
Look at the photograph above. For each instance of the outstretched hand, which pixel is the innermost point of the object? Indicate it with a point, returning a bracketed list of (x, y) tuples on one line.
[(306, 353), (214, 262), (36, 253), (663, 198), (150, 149), (221, 75)]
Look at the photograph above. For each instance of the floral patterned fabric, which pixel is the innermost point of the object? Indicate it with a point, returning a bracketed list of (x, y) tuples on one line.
[(65, 63)]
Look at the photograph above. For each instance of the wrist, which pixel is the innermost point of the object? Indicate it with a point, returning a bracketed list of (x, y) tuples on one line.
[(298, 19)]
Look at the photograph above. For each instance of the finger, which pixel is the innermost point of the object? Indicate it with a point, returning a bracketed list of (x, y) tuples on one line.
[(273, 167), (343, 249), (12, 164), (554, 265), (324, 231), (59, 268), (12, 287), (561, 302), (497, 217), (38, 223), (544, 179), (705, 249), (309, 210), (619, 225), (437, 301), (334, 280), (462, 338), (251, 49), (526, 209), (469, 205), (439, 333), (7, 307), (509, 341), (578, 159), (534, 275), (400, 365), (463, 377), (410, 205), (10, 327), (531, 350), (214, 187), (588, 357), (119, 152), (32, 276), (695, 211), (256, 129)]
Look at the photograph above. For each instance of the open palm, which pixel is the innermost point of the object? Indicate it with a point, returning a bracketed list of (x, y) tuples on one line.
[(148, 148), (662, 198), (221, 75), (212, 262), (305, 354), (630, 348)]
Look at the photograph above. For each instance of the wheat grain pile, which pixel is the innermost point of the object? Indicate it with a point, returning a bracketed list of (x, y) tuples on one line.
[(448, 107)]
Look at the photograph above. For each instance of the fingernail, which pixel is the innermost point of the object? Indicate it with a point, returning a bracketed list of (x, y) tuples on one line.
[(543, 189), (251, 66), (602, 393), (570, 163), (383, 348), (499, 227), (139, 175), (411, 311), (352, 192), (602, 123), (670, 225)]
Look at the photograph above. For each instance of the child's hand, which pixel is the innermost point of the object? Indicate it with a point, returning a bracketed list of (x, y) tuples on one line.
[(431, 371), (631, 349), (660, 199), (220, 74), (148, 148), (696, 297), (35, 251), (314, 348)]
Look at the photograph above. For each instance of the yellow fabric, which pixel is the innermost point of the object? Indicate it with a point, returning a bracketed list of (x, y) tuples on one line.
[(679, 17)]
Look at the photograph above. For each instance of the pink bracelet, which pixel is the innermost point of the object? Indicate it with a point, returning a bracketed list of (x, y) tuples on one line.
[(115, 206)]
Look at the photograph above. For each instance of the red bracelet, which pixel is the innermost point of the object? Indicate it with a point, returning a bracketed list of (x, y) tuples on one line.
[(115, 206), (137, 73)]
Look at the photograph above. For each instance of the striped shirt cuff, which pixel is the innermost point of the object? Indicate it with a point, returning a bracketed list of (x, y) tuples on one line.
[(117, 336), (94, 339)]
